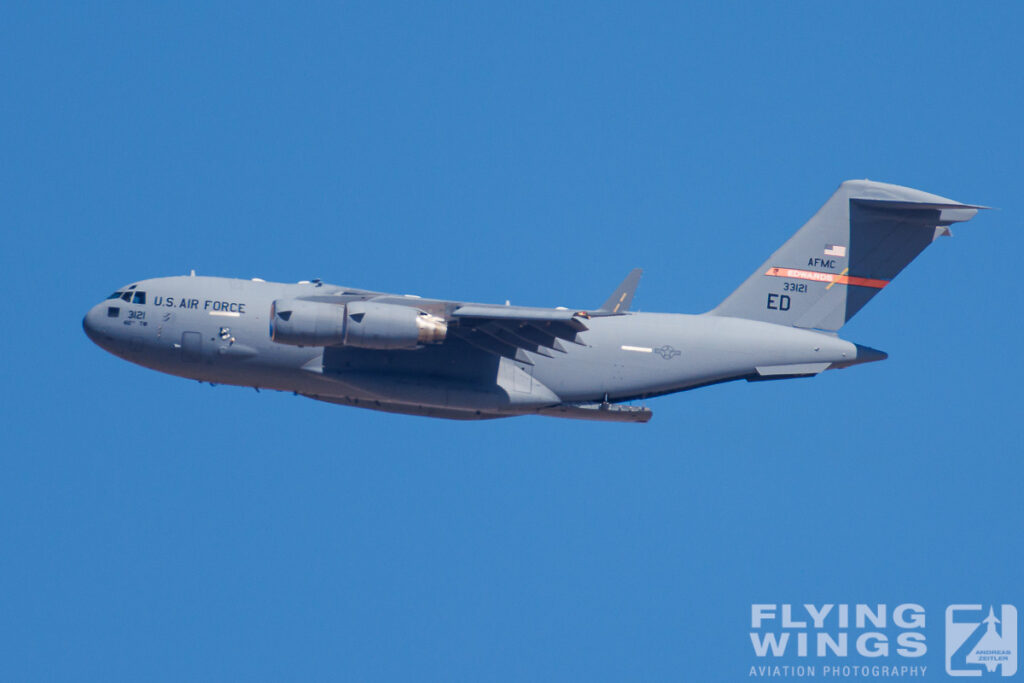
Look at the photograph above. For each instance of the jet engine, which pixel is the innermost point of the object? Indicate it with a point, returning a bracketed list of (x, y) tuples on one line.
[(363, 324)]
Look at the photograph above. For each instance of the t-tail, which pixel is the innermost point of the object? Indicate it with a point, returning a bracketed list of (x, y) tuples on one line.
[(863, 236)]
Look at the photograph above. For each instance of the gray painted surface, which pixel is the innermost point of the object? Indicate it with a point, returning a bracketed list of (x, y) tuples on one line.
[(867, 230), (477, 361)]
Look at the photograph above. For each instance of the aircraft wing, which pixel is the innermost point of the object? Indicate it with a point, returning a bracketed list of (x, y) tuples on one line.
[(511, 331)]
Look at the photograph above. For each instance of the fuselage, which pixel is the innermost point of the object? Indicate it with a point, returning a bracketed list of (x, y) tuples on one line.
[(217, 330)]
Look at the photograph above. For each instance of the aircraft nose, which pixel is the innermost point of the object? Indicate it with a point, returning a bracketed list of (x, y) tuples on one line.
[(93, 322), (89, 324)]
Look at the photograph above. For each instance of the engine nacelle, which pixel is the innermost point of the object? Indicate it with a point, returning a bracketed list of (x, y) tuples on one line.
[(363, 324)]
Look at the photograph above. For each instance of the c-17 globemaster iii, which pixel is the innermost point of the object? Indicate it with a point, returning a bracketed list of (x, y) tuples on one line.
[(406, 354)]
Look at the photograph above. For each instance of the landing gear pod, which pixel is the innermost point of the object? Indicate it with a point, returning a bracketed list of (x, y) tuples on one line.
[(363, 324)]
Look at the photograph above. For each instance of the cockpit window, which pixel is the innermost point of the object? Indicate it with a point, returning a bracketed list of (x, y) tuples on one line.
[(129, 296)]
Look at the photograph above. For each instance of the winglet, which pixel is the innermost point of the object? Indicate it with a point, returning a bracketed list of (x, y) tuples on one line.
[(622, 297)]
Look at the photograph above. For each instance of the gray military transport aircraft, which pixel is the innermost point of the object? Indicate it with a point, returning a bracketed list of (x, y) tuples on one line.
[(406, 354)]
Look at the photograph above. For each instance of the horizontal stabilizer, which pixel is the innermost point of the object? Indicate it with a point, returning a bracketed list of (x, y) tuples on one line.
[(793, 370)]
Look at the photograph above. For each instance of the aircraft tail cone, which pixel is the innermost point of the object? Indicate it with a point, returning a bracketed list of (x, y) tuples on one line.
[(865, 354)]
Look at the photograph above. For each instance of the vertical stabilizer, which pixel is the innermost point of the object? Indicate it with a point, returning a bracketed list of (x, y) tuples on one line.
[(863, 236)]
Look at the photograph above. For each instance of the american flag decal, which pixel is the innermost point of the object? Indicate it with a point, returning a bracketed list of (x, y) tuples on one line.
[(835, 250)]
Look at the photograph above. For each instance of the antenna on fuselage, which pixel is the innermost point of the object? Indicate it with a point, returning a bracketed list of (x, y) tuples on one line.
[(192, 273)]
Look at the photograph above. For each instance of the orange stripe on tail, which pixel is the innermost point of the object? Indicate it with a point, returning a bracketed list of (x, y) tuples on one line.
[(818, 276)]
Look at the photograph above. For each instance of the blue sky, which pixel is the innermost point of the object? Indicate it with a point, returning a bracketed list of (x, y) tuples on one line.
[(158, 529)]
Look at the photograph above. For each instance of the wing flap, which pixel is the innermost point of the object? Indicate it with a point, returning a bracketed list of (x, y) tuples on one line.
[(514, 331)]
